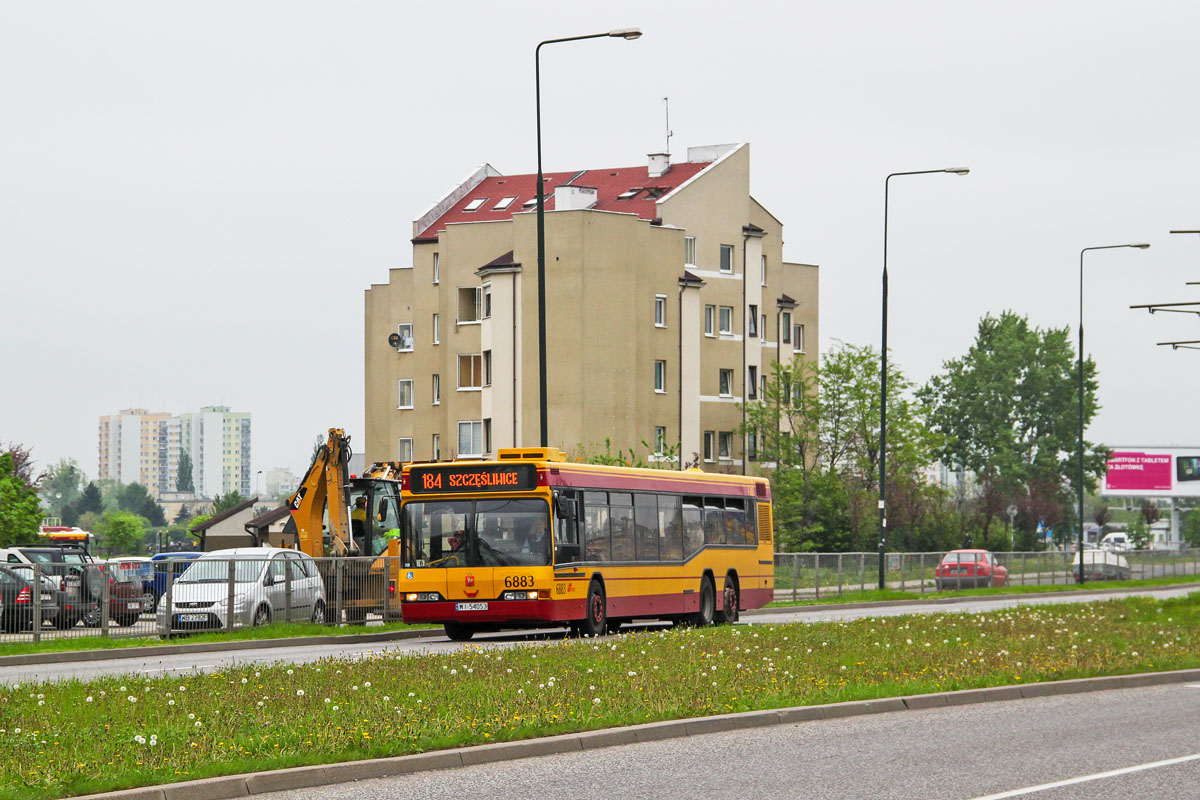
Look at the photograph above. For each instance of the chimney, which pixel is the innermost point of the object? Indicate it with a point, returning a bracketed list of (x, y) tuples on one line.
[(659, 164), (574, 198)]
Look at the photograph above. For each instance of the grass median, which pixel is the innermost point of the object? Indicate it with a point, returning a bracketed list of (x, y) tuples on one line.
[(62, 739)]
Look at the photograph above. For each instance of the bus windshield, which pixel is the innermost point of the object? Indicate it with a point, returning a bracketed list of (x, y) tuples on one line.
[(477, 533)]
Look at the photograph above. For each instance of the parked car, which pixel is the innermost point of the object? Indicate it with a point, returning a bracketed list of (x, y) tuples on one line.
[(65, 615), (84, 581), (124, 596), (142, 567), (1101, 565), (16, 599), (969, 569), (200, 596), (178, 562), (1116, 542)]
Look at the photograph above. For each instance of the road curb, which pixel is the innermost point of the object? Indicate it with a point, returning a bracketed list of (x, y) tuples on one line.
[(813, 608), (249, 784)]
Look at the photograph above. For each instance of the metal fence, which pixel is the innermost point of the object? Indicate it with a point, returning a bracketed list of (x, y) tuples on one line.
[(800, 576), (177, 596)]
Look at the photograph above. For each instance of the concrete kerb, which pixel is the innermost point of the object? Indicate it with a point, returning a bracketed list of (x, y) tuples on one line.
[(327, 774)]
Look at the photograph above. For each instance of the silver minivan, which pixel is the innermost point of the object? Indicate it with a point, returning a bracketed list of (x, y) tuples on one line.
[(200, 596)]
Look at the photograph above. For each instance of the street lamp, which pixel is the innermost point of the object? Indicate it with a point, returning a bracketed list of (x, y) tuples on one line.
[(883, 369), (619, 33), (1140, 246)]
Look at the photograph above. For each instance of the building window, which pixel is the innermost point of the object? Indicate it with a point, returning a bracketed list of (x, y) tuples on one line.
[(752, 445), (660, 439), (470, 371), (763, 271), (437, 446), (709, 445), (689, 250), (487, 301), (437, 328), (504, 203), (726, 383), (475, 204), (727, 258), (785, 327), (798, 338), (437, 269), (470, 438), (470, 300), (660, 310), (763, 384), (405, 331), (752, 321), (763, 325), (487, 435), (404, 396), (752, 382), (404, 450), (726, 320), (725, 445), (710, 314), (660, 376), (487, 367), (437, 389)]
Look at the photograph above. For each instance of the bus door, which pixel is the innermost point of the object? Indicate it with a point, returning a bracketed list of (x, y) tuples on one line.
[(434, 545)]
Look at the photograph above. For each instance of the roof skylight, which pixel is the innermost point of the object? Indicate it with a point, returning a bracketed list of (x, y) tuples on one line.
[(504, 203), (475, 204)]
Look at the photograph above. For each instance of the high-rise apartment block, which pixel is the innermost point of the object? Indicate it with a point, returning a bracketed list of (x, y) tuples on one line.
[(667, 301), (137, 446)]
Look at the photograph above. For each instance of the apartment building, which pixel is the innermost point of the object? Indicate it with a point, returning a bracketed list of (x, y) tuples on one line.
[(136, 446), (667, 300)]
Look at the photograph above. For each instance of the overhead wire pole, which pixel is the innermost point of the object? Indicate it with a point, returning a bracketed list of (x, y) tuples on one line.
[(1079, 487), (620, 33), (883, 368)]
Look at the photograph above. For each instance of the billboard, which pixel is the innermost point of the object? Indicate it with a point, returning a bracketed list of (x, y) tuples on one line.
[(1153, 472)]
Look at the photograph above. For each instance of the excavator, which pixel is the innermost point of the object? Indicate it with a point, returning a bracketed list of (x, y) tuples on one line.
[(350, 524)]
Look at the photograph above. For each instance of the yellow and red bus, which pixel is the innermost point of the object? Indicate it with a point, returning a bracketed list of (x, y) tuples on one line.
[(530, 540)]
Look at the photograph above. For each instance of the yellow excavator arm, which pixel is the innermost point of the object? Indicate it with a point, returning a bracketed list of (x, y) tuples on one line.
[(327, 479)]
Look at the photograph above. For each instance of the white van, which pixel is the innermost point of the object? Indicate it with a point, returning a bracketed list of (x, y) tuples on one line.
[(1116, 542)]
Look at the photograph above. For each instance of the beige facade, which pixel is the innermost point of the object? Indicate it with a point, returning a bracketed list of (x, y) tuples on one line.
[(651, 278)]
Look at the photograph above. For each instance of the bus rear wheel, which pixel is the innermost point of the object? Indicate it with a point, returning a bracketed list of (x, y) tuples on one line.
[(459, 631), (708, 604), (729, 601)]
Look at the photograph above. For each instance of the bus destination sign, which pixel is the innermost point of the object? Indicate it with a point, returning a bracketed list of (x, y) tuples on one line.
[(472, 478)]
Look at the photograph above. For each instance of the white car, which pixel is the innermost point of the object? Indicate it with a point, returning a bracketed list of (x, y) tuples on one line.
[(1116, 542), (200, 596)]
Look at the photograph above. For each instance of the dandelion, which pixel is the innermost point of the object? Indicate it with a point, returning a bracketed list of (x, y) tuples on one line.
[(299, 693)]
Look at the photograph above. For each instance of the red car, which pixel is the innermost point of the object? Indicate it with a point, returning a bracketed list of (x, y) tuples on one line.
[(969, 569)]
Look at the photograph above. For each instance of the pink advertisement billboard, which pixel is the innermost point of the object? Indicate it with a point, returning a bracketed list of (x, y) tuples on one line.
[(1130, 471)]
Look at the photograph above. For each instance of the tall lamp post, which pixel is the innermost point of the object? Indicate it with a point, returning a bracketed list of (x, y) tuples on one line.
[(883, 369), (620, 33), (1079, 488)]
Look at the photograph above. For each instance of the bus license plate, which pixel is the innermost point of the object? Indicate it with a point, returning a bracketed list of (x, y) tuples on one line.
[(470, 606)]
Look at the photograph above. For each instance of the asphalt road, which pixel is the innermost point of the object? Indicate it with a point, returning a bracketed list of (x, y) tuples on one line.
[(987, 751), (436, 642)]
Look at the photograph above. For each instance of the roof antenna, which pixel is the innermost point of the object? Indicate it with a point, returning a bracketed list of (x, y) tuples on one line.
[(667, 111)]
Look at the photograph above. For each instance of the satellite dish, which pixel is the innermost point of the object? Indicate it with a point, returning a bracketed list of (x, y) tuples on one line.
[(394, 340)]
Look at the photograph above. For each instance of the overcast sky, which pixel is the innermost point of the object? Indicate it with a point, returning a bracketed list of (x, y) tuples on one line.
[(194, 195)]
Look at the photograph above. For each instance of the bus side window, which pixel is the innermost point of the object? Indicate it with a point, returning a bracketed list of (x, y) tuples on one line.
[(597, 544), (645, 520), (735, 520), (620, 510), (750, 523), (693, 525), (714, 521), (670, 527), (566, 528)]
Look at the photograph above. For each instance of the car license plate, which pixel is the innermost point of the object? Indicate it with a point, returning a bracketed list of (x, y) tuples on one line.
[(470, 606), (135, 605), (193, 617)]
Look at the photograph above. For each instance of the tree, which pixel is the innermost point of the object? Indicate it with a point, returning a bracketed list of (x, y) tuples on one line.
[(1139, 533), (1009, 412), (184, 482), (184, 514), (20, 509), (227, 502), (1191, 528), (61, 486), (1150, 513), (136, 499), (91, 500), (1102, 516), (121, 532)]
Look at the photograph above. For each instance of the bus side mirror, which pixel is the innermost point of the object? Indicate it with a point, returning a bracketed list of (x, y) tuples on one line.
[(564, 507)]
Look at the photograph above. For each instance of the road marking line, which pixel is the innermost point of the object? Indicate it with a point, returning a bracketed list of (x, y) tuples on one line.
[(1097, 776)]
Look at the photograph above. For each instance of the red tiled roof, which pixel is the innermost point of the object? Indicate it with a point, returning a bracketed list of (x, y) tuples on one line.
[(609, 183)]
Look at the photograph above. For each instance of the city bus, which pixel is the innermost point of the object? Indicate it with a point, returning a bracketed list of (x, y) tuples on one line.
[(529, 540)]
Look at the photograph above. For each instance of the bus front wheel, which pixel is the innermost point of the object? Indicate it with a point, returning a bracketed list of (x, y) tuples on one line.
[(595, 619), (708, 604), (459, 631)]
